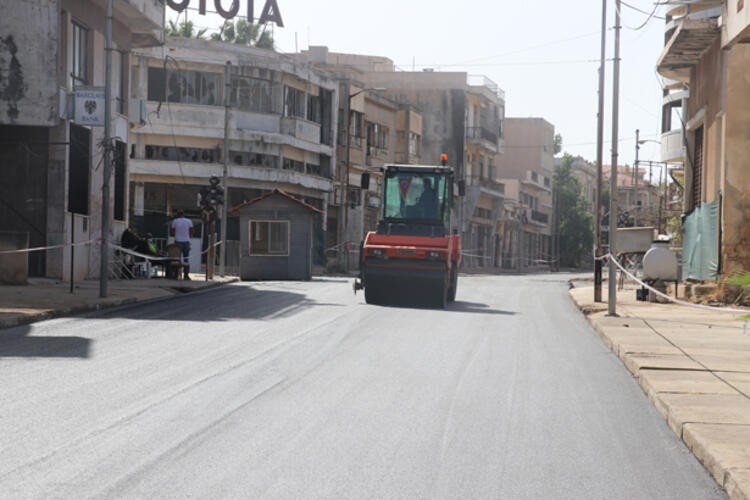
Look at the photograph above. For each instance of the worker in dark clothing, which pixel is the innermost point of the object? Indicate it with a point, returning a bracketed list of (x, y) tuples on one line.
[(428, 200)]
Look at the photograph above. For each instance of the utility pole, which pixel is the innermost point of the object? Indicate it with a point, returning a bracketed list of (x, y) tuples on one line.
[(225, 155), (599, 158), (635, 177), (343, 208), (612, 298), (107, 166)]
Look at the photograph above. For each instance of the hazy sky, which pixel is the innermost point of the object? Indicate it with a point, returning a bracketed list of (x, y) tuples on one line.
[(544, 54)]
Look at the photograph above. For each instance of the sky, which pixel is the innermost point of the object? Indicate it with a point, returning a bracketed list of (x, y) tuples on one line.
[(544, 54)]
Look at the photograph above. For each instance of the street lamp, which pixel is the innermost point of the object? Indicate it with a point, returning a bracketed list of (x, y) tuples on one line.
[(345, 194), (638, 142)]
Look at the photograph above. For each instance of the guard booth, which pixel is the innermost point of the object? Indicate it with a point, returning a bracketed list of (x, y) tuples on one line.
[(276, 237)]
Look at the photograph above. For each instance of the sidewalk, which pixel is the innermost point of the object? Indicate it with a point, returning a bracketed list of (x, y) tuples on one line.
[(694, 365), (45, 298)]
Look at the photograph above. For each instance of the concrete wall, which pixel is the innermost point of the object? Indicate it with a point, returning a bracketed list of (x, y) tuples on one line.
[(735, 248), (737, 22), (29, 34), (14, 268), (528, 146)]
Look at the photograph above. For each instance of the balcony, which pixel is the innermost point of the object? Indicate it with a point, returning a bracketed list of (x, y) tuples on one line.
[(487, 186), (144, 18), (736, 28), (672, 147), (692, 36), (301, 129), (483, 136), (540, 217)]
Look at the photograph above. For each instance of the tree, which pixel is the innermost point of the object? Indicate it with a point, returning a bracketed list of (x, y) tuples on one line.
[(575, 223), (244, 33), (557, 143), (185, 29)]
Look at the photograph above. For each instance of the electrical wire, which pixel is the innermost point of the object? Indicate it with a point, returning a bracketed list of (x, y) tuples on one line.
[(652, 15)]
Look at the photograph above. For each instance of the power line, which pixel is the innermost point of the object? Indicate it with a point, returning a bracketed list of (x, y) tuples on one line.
[(648, 19), (533, 47)]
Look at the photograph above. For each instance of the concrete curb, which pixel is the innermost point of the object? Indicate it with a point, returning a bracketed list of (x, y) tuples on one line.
[(649, 358)]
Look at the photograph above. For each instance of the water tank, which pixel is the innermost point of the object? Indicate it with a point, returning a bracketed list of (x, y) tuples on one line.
[(660, 263)]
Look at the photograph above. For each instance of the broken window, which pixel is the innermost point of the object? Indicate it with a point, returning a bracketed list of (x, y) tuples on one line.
[(294, 102), (81, 54)]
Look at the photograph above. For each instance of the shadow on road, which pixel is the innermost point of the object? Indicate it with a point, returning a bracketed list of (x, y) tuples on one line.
[(459, 306), (477, 307), (15, 343), (222, 304)]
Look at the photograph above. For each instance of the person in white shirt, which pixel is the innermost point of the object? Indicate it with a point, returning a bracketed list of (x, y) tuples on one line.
[(182, 230)]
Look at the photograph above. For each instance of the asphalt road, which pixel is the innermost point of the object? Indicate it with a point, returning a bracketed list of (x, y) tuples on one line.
[(301, 390)]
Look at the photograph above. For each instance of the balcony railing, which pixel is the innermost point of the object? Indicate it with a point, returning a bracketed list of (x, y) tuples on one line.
[(486, 183), (483, 133), (672, 146), (538, 216)]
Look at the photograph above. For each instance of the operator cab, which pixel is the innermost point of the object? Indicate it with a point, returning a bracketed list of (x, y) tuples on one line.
[(416, 200)]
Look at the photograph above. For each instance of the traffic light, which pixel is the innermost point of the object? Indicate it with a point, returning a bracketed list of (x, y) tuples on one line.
[(212, 195)]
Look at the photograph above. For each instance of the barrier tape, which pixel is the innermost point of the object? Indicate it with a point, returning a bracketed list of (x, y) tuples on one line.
[(136, 254), (347, 244), (205, 252), (148, 256), (678, 301), (53, 247)]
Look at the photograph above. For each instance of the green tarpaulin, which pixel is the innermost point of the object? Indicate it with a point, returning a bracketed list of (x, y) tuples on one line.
[(700, 243)]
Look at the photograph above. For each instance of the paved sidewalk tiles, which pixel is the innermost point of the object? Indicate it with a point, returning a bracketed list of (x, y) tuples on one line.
[(694, 365)]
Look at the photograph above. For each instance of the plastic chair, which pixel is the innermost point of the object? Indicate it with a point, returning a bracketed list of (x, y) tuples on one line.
[(175, 265)]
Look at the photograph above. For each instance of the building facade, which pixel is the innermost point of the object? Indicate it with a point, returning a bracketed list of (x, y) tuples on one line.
[(526, 169), (374, 130), (254, 118), (437, 113), (51, 129), (706, 64), (463, 119)]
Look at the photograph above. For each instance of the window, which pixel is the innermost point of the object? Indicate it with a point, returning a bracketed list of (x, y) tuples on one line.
[(119, 166), (157, 84), (355, 127), (415, 196), (80, 70), (377, 137), (119, 70), (295, 165), (413, 144), (173, 153), (313, 169), (269, 237), (313, 108), (251, 94), (294, 102), (254, 159), (697, 181), (189, 87)]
